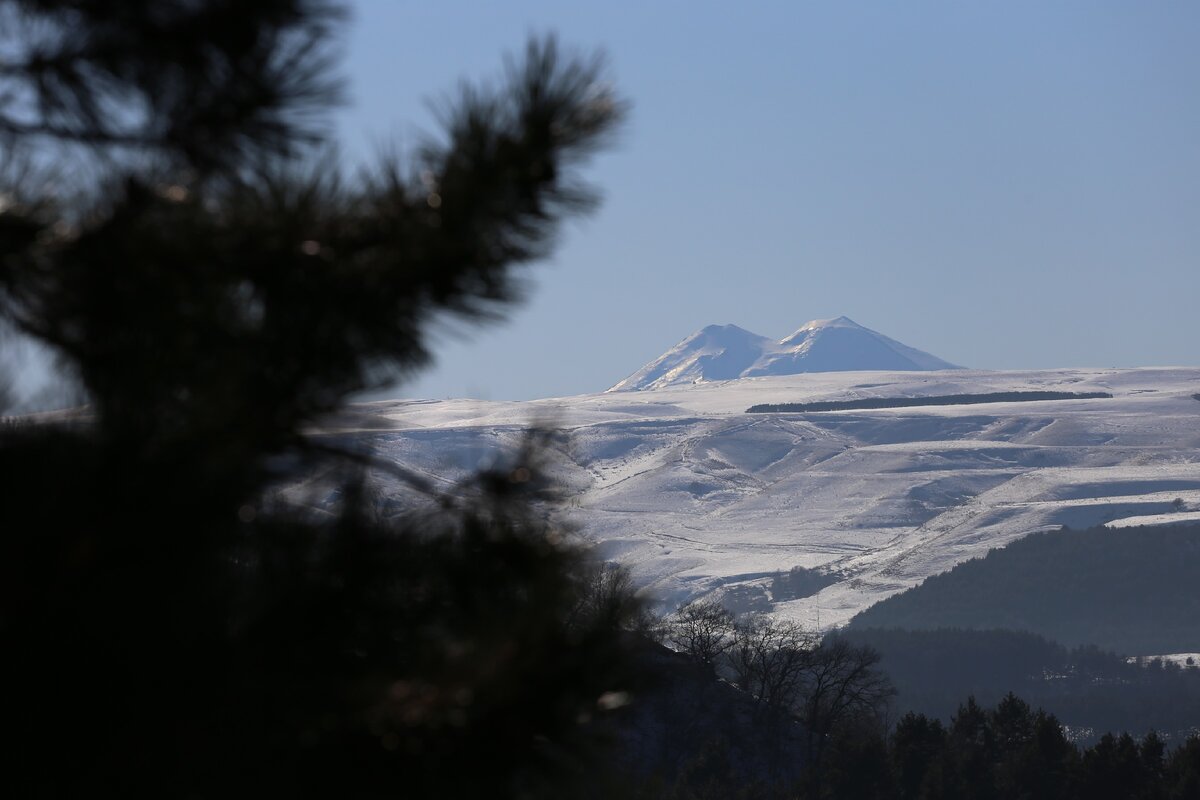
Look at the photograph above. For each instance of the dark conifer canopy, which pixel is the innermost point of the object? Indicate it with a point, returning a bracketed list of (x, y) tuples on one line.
[(218, 282)]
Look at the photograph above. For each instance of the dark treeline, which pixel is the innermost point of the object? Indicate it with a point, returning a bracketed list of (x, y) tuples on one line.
[(985, 753), (1131, 590), (1090, 690), (932, 400), (1008, 751)]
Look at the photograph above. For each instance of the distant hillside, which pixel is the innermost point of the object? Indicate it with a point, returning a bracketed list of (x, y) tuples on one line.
[(1090, 690), (1133, 590), (726, 352), (700, 499)]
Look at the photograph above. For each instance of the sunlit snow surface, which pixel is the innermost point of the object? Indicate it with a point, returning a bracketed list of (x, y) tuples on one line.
[(698, 497)]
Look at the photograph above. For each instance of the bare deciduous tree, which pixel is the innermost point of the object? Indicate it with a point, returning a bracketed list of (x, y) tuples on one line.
[(768, 658), (703, 630), (606, 597), (841, 683)]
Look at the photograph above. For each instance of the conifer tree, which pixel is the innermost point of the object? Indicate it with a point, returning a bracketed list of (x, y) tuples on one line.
[(218, 285)]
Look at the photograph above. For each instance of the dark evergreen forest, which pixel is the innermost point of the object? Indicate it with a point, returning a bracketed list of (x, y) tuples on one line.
[(930, 400), (1090, 690), (1130, 590)]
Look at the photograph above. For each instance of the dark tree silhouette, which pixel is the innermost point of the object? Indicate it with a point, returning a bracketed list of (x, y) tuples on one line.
[(916, 743), (840, 684), (219, 285), (768, 658), (969, 751), (703, 630)]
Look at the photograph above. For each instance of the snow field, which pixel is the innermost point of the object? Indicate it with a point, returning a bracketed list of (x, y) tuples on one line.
[(699, 498)]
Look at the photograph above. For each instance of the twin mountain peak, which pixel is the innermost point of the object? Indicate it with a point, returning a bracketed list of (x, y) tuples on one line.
[(726, 352)]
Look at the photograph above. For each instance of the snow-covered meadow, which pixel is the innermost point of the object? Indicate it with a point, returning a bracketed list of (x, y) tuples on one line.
[(700, 498)]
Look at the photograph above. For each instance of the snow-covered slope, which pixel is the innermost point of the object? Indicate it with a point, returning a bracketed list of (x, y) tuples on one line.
[(700, 498), (838, 345), (726, 352), (715, 353)]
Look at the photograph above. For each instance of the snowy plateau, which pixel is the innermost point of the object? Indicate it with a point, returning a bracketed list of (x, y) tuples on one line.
[(701, 499)]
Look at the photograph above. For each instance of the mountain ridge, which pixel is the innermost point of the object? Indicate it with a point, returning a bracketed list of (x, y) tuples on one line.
[(727, 352)]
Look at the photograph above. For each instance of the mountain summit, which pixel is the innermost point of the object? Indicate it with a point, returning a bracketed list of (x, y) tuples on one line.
[(725, 352)]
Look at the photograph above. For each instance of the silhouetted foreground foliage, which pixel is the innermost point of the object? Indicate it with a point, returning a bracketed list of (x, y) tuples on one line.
[(931, 400), (174, 626), (1132, 590)]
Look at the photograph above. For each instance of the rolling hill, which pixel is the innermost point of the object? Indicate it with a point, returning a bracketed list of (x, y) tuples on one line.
[(702, 499)]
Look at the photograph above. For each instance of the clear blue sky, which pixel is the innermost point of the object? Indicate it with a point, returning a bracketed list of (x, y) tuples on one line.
[(1006, 185)]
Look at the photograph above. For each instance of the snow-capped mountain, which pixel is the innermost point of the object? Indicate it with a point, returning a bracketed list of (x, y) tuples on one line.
[(726, 352), (715, 353)]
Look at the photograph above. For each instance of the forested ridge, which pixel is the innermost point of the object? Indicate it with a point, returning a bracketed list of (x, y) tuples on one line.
[(929, 400), (1090, 690), (1130, 590)]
